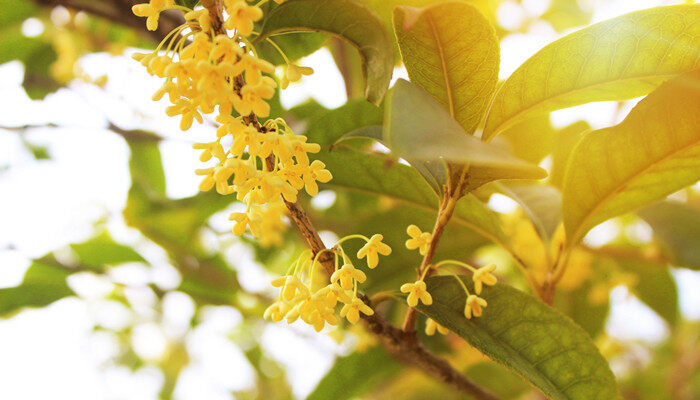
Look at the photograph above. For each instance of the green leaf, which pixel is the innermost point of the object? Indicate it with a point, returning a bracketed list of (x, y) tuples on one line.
[(655, 287), (353, 375), (43, 283), (170, 223), (542, 203), (619, 59), (372, 174), (329, 127), (452, 52), (678, 227), (497, 379), (347, 19), (522, 333), (145, 165), (652, 153), (577, 305), (15, 12), (294, 45), (103, 250), (564, 142), (416, 127), (531, 140)]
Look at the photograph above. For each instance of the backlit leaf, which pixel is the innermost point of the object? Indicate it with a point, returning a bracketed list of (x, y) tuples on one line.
[(103, 250), (542, 203), (347, 19), (451, 51), (522, 333), (416, 127), (652, 153), (43, 283), (619, 59), (655, 287), (678, 226)]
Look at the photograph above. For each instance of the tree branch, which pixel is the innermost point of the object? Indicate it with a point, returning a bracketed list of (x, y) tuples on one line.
[(119, 11)]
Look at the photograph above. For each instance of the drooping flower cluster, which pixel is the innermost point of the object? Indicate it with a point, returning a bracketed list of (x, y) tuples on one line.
[(418, 292), (313, 299), (206, 72)]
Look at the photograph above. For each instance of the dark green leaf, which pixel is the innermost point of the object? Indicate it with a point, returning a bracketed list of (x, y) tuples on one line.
[(347, 19), (532, 339)]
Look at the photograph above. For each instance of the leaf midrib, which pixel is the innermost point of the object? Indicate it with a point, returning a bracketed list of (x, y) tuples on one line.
[(507, 346), (509, 121), (443, 63), (617, 189)]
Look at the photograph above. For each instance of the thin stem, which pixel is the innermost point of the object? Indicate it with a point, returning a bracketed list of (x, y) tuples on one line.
[(455, 262), (447, 208), (284, 56), (355, 236)]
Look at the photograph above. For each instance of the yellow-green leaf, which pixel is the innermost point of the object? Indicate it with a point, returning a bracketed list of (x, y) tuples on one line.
[(452, 52), (537, 342), (347, 19), (623, 58), (652, 153)]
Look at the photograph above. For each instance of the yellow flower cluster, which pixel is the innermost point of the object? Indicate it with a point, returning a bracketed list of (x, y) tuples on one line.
[(261, 163), (303, 295), (418, 292)]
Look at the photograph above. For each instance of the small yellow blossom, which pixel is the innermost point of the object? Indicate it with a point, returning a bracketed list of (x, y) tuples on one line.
[(417, 291), (293, 73), (151, 11), (474, 306), (346, 275), (483, 276), (352, 310), (241, 16), (431, 326), (419, 240), (373, 247), (317, 172)]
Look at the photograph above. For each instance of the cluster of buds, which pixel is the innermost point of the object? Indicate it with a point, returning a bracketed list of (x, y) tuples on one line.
[(313, 298), (418, 292), (205, 72)]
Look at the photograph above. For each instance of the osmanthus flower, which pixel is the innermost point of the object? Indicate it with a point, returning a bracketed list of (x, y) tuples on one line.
[(482, 276), (242, 16), (345, 276), (293, 73), (372, 248), (152, 11), (352, 310), (419, 240), (474, 306), (431, 326), (317, 172), (417, 291)]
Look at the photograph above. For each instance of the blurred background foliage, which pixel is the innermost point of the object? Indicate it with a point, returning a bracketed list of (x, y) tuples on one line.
[(209, 261)]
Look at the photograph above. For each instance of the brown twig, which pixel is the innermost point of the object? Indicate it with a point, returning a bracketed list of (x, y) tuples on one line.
[(119, 11)]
